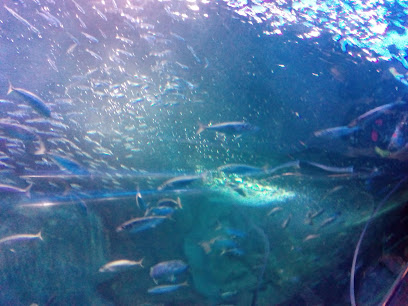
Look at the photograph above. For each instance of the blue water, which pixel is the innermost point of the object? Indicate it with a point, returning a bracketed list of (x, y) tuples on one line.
[(129, 83)]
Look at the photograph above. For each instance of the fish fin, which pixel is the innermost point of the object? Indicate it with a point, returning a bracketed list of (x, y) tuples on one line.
[(155, 281), (10, 89), (179, 203), (201, 128), (40, 236), (27, 191), (185, 283)]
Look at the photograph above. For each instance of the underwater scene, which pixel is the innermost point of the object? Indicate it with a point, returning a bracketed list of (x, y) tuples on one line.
[(198, 152)]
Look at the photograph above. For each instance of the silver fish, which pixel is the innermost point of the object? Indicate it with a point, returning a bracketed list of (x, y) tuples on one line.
[(179, 182), (166, 288), (140, 224), (229, 128), (21, 237), (120, 265), (14, 189), (21, 19)]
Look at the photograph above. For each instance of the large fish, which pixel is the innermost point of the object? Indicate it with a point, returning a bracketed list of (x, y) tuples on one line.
[(35, 101)]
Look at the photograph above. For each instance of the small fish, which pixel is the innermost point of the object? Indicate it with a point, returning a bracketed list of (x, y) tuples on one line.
[(35, 101), (233, 252), (90, 37), (160, 211), (14, 189), (294, 164), (139, 201), (397, 140), (120, 265), (177, 36), (170, 203), (125, 40), (102, 15), (332, 169), (234, 233), (197, 59), (79, 8), (240, 169), (336, 132), (21, 237), (167, 269), (140, 224), (180, 182), (94, 54), (274, 210), (376, 112), (310, 237), (22, 20), (68, 164), (328, 221), (228, 128), (52, 20), (286, 222), (166, 288), (71, 48)]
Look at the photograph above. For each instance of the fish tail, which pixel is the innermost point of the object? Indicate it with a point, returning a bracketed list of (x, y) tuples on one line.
[(27, 190), (40, 236), (41, 150), (179, 203), (10, 89), (201, 128), (140, 262)]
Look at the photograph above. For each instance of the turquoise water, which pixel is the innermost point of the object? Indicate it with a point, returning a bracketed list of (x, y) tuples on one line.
[(226, 109)]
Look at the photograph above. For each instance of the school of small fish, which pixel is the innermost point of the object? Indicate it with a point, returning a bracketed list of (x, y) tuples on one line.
[(45, 152)]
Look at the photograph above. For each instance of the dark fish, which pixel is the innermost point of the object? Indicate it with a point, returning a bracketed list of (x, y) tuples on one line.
[(336, 132), (166, 288), (140, 224), (35, 101), (229, 128), (376, 112)]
